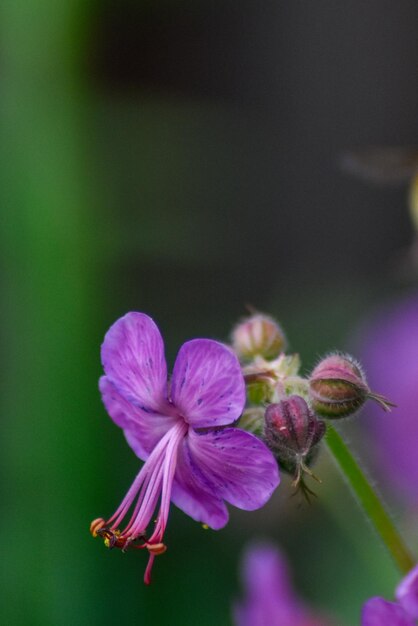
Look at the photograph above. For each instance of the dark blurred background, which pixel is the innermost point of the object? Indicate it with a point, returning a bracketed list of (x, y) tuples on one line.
[(182, 159)]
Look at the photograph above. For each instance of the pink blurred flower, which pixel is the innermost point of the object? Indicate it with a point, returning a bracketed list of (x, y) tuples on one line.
[(390, 356), (269, 596), (404, 612)]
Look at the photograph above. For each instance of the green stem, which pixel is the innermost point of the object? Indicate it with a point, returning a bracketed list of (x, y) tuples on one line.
[(369, 500)]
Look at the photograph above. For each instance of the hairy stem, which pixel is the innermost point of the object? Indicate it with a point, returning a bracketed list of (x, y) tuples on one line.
[(369, 500)]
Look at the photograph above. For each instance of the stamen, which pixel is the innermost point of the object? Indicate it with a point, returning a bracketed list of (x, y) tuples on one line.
[(155, 479), (168, 477), (143, 476), (147, 574), (147, 501)]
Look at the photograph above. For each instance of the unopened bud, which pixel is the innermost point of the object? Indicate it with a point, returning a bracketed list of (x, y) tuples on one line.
[(258, 335), (292, 432), (338, 387)]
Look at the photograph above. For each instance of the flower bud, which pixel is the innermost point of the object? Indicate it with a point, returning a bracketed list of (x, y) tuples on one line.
[(338, 387), (258, 335), (292, 432)]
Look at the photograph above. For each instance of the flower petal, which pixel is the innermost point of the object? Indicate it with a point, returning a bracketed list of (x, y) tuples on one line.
[(380, 612), (142, 429), (237, 466), (207, 385), (407, 592), (133, 360), (193, 496)]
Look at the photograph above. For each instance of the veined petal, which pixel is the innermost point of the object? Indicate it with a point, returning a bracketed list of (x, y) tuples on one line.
[(133, 360), (407, 592), (193, 495), (379, 612), (207, 385), (237, 466), (142, 429)]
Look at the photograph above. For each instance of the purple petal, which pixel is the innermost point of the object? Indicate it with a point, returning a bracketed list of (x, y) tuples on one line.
[(143, 429), (238, 467), (193, 496), (407, 592), (133, 360), (207, 385), (380, 612)]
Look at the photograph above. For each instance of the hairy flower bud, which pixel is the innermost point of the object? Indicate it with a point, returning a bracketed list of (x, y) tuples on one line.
[(292, 432), (258, 335), (338, 387)]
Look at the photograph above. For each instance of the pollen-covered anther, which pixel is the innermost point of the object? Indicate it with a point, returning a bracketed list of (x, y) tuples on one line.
[(156, 548), (115, 539), (96, 526), (112, 538)]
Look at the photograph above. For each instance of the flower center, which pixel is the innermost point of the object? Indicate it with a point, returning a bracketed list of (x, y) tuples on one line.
[(154, 480)]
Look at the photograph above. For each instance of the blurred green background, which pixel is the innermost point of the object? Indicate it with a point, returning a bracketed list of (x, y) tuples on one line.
[(181, 158)]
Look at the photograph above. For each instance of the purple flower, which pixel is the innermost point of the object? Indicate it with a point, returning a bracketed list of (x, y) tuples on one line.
[(270, 600), (180, 429), (390, 355), (403, 612)]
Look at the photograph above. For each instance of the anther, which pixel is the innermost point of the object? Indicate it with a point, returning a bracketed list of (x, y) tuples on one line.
[(156, 548), (96, 526)]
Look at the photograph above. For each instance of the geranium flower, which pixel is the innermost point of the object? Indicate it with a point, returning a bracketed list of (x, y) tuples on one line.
[(270, 599), (181, 429), (404, 612)]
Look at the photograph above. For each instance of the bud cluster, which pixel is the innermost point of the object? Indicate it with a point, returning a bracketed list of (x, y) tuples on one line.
[(284, 407)]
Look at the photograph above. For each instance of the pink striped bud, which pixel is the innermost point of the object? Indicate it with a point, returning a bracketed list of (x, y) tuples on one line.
[(292, 432), (338, 387), (258, 335)]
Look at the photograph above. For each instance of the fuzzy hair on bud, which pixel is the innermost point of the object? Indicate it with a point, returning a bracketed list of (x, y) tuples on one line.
[(292, 432), (338, 387)]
